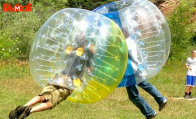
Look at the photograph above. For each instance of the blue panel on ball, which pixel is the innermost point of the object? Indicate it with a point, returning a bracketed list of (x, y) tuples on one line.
[(113, 13), (115, 17), (129, 77)]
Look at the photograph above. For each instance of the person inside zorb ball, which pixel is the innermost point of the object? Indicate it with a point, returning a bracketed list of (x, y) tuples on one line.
[(147, 35), (148, 40), (77, 55), (77, 59)]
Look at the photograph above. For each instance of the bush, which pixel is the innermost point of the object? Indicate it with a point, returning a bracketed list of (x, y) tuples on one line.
[(87, 4), (8, 47), (157, 2), (182, 29), (19, 28), (22, 26)]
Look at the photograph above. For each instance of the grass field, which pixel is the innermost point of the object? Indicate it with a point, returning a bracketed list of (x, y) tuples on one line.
[(17, 87)]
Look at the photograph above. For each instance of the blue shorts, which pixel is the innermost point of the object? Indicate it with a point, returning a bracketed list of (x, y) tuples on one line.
[(190, 81)]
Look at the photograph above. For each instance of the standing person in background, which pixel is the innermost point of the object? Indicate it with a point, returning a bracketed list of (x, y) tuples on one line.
[(191, 74)]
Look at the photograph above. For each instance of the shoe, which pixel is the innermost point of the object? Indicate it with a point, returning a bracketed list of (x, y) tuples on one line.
[(186, 96), (15, 113), (162, 105), (190, 97), (25, 113), (151, 116)]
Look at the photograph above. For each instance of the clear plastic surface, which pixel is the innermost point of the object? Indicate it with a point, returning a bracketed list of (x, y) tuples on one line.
[(147, 35), (80, 50)]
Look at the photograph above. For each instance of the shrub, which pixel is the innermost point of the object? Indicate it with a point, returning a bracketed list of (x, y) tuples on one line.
[(22, 26), (87, 4), (8, 47), (182, 29), (157, 2)]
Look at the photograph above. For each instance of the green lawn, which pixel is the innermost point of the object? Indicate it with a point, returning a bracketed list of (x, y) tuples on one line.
[(17, 87)]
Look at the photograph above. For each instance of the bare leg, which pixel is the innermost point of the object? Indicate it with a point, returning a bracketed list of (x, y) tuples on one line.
[(21, 112), (35, 100), (190, 89), (41, 107), (187, 89)]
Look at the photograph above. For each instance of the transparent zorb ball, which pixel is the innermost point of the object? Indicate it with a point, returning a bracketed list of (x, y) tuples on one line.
[(79, 50), (146, 31)]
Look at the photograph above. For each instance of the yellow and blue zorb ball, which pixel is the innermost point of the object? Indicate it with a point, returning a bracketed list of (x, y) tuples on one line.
[(78, 31), (147, 36)]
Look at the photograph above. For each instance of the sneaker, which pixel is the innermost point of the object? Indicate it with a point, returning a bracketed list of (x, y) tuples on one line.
[(162, 105), (186, 97), (15, 113), (190, 97), (151, 116), (25, 113)]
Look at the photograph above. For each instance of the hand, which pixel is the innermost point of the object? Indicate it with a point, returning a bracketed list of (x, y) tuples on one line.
[(77, 82), (90, 69), (189, 68), (89, 72), (92, 48)]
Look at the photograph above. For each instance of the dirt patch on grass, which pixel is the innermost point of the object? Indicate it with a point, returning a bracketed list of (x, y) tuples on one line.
[(168, 6), (14, 62)]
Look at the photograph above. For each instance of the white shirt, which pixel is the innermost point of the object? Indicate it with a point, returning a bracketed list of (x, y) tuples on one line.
[(191, 62)]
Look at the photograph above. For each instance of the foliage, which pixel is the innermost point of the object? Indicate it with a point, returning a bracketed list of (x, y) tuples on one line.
[(8, 47), (22, 26), (157, 2), (57, 4), (92, 4), (87, 4), (18, 26), (182, 29), (12, 2)]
